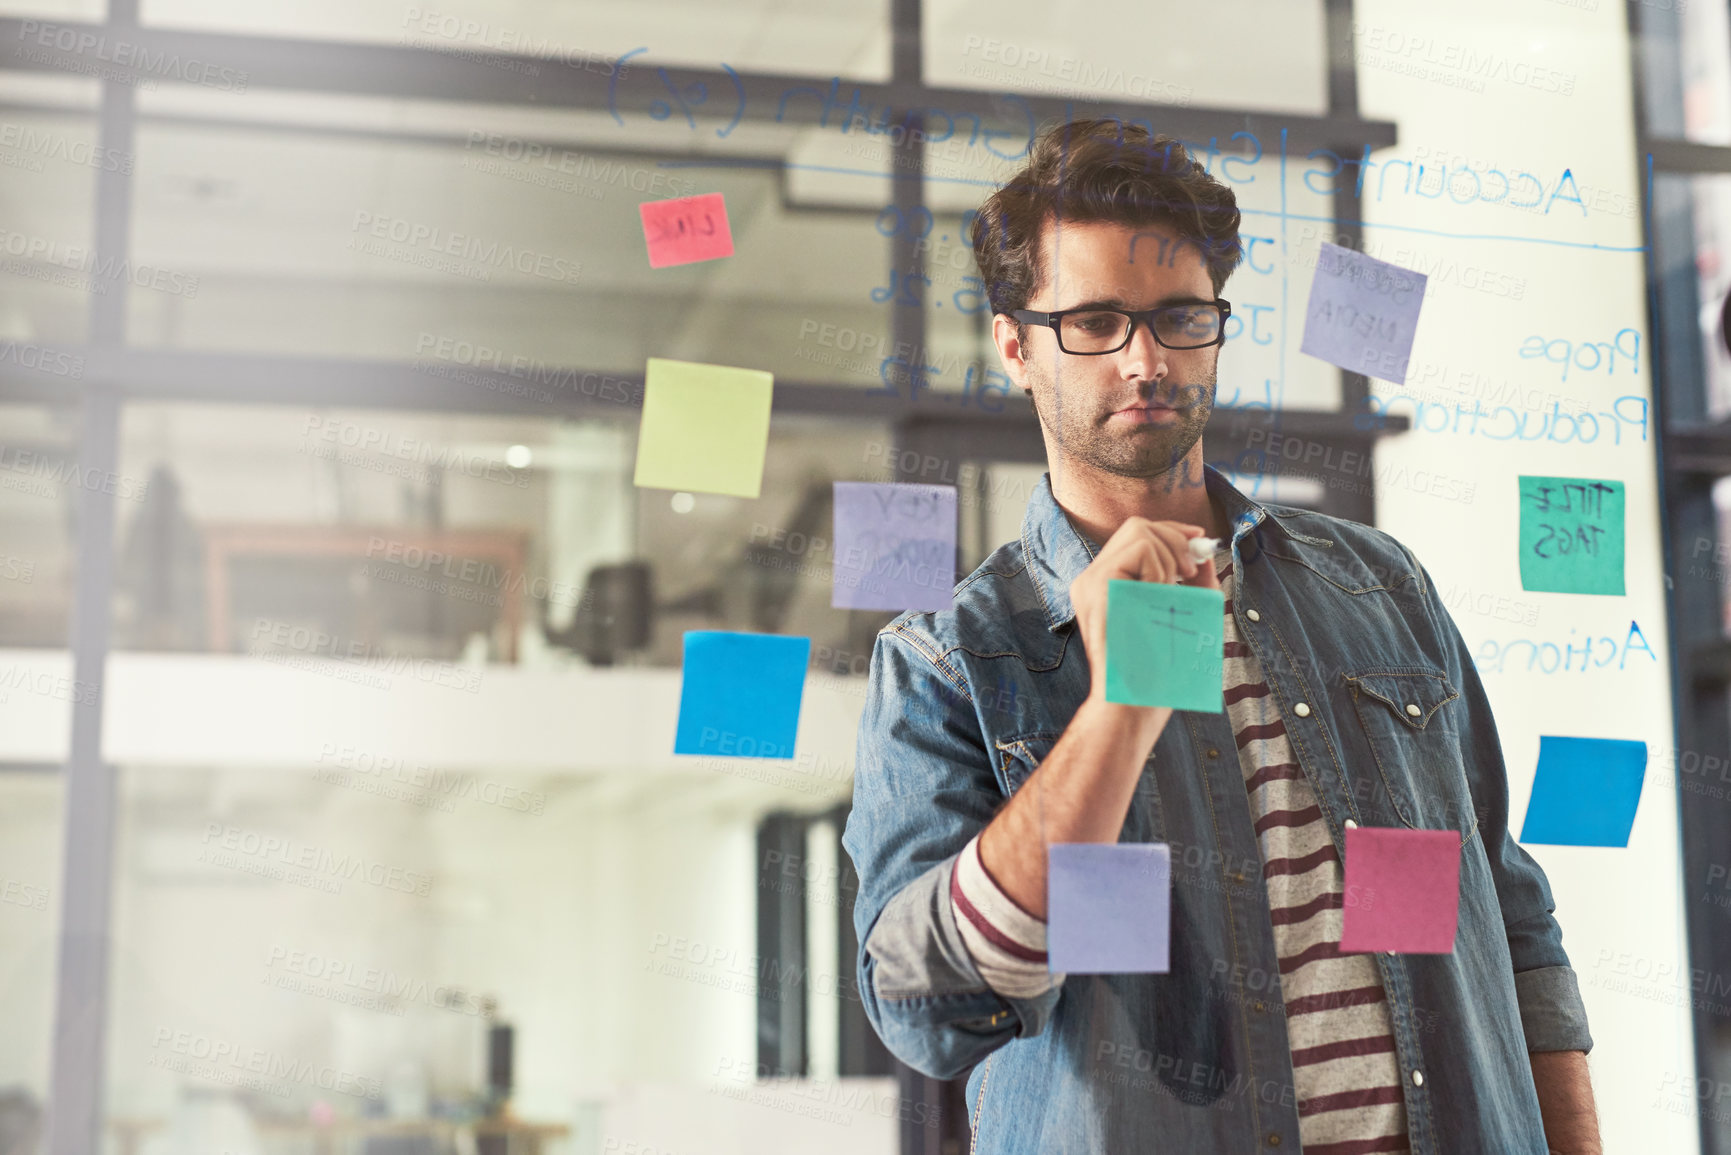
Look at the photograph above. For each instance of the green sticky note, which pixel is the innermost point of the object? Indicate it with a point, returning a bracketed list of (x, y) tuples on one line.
[(705, 428), (1571, 535), (1164, 645)]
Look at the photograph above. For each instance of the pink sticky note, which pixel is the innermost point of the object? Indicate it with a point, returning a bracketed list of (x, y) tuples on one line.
[(685, 230), (1403, 890)]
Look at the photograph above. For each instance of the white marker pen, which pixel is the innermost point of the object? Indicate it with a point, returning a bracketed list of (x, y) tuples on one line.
[(1202, 548)]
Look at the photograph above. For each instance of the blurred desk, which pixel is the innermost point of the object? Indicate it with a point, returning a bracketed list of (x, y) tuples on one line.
[(492, 560), (509, 1136), (505, 1136)]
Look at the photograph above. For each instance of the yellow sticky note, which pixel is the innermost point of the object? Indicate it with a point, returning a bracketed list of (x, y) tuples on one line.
[(705, 428)]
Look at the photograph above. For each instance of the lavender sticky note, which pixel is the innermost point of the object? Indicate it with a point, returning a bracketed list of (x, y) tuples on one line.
[(895, 546), (1403, 890), (1108, 907), (1585, 791), (740, 694), (1362, 313)]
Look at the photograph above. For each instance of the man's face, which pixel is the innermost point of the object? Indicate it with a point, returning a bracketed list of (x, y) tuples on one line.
[(1136, 412)]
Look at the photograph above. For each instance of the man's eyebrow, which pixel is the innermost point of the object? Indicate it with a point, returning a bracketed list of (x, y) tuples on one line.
[(1119, 303)]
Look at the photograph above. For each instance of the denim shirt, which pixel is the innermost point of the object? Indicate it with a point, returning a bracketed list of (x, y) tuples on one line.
[(963, 704)]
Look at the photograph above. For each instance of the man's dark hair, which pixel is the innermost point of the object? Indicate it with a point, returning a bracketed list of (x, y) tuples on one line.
[(1101, 170)]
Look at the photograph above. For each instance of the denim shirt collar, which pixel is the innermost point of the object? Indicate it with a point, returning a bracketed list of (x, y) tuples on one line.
[(1056, 552)]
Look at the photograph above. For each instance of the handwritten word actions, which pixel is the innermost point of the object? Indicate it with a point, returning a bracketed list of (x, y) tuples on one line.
[(1569, 355), (1549, 658)]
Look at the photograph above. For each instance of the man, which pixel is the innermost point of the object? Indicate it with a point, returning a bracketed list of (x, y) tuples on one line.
[(1350, 700)]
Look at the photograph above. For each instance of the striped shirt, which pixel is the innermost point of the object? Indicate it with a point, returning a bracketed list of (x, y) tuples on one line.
[(1345, 1075)]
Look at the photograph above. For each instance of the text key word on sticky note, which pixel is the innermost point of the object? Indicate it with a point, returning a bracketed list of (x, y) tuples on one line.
[(1108, 907), (1571, 537), (1585, 791), (1164, 645), (895, 546), (1362, 314), (739, 695), (1402, 890), (686, 230), (705, 428)]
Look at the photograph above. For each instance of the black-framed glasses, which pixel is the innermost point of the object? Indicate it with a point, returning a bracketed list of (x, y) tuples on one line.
[(1092, 331)]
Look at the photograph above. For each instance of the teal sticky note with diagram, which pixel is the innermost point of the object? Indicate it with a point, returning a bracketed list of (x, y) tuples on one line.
[(1165, 645), (1571, 536)]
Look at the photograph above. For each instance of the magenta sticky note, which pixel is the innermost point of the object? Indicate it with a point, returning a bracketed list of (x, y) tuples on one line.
[(685, 230), (1403, 890)]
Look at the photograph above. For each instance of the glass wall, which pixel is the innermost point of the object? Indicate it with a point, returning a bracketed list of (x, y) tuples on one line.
[(404, 860)]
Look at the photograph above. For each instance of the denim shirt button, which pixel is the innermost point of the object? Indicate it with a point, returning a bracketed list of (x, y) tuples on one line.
[(1213, 752), (1417, 1077), (1351, 825), (1274, 1139), (1412, 708), (1302, 710), (1253, 615)]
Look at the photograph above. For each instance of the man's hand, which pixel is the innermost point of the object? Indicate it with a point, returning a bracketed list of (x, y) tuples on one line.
[(1140, 550), (1082, 791), (1566, 1102)]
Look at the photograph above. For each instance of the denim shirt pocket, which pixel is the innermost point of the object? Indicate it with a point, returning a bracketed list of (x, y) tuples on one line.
[(1411, 721), (1019, 756)]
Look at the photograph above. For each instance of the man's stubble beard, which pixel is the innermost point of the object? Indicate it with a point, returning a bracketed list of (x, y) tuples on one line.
[(1144, 451)]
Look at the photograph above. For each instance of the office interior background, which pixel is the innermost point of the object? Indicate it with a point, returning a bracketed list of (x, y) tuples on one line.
[(340, 656)]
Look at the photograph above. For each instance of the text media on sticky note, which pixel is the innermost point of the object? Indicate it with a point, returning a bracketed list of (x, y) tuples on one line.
[(1362, 314)]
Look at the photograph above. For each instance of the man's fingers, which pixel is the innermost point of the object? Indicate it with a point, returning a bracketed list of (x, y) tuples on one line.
[(1176, 541), (1139, 540), (1204, 577)]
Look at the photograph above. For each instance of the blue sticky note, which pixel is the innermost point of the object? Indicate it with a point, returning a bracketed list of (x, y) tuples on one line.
[(1362, 314), (740, 694), (1585, 791), (1165, 645), (1571, 537), (1108, 908), (895, 546)]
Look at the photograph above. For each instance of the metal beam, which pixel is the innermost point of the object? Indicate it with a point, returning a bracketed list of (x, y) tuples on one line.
[(537, 389), (1685, 156), (586, 82), (78, 1059)]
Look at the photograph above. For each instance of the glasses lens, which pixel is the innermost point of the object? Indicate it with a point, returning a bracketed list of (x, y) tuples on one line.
[(1187, 326), (1096, 331)]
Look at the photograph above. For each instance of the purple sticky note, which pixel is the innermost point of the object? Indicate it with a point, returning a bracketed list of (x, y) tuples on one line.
[(1362, 313), (1403, 890), (679, 232), (895, 546), (1108, 908)]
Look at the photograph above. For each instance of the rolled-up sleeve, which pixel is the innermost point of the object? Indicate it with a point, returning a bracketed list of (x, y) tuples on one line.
[(1553, 1016), (923, 789)]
